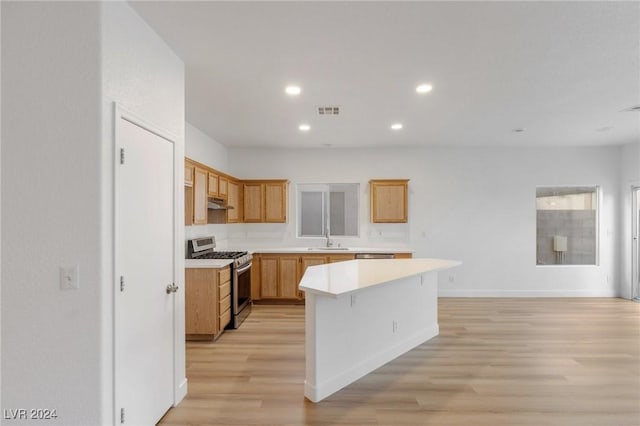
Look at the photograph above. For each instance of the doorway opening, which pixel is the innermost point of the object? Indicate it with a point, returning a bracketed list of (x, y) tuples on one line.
[(635, 250)]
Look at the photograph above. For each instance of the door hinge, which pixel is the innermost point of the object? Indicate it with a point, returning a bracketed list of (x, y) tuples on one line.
[(121, 155), (122, 415), (121, 283)]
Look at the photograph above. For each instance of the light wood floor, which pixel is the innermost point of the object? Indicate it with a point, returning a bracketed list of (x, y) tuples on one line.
[(496, 362)]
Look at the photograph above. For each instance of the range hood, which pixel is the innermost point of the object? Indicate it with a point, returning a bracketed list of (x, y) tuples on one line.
[(218, 204)]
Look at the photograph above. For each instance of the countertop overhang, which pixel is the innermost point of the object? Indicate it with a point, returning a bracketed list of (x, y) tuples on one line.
[(336, 279)]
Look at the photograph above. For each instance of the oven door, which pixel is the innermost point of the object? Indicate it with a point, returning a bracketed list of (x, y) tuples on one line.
[(241, 288)]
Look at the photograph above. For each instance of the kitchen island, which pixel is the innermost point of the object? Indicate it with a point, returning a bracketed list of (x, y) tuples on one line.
[(362, 314)]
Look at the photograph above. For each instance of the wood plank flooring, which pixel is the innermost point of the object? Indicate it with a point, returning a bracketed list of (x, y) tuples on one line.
[(496, 362)]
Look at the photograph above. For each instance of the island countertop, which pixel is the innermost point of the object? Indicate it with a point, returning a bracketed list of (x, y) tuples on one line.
[(335, 279)]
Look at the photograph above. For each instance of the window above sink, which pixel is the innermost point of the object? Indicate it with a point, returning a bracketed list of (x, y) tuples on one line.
[(327, 209)]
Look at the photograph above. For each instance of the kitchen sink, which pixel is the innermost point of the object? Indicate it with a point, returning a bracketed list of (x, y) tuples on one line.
[(329, 248)]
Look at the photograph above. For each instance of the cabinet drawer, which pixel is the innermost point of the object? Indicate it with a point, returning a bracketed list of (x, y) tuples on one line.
[(224, 275), (224, 318), (225, 289), (225, 304)]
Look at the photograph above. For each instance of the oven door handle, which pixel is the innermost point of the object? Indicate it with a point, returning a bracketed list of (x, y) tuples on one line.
[(244, 268)]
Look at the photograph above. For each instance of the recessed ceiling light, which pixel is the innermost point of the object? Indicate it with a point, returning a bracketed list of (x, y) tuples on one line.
[(293, 90), (396, 126), (424, 88), (304, 127)]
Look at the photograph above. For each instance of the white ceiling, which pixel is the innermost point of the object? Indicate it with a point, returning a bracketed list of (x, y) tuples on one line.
[(562, 70)]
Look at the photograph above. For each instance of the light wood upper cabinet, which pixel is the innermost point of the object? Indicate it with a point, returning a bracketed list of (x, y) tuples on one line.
[(252, 204), (212, 190), (249, 201), (200, 196), (275, 202), (188, 173), (265, 201), (233, 202), (389, 200), (223, 183)]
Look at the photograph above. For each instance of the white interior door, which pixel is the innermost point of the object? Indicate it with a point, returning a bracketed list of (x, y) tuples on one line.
[(635, 255), (144, 259)]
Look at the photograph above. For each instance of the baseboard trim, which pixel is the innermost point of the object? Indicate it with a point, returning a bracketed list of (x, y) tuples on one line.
[(181, 392), (346, 377), (526, 293)]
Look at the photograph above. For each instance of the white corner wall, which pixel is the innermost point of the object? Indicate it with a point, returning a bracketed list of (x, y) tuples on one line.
[(63, 66), (203, 149), (629, 177), (51, 211), (476, 205), (146, 78)]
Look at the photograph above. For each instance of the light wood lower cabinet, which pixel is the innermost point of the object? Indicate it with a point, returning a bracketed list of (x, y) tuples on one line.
[(268, 277), (403, 256), (275, 277), (207, 302)]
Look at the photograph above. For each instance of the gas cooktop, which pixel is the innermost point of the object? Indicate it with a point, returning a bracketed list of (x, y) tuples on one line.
[(220, 255)]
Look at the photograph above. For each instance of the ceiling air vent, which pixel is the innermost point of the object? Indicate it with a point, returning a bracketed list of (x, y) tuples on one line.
[(328, 110), (635, 108)]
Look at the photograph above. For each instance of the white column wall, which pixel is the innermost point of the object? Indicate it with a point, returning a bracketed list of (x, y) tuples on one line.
[(63, 65), (142, 74)]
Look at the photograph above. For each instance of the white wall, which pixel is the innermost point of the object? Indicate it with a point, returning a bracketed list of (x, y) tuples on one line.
[(51, 211), (202, 148), (205, 150), (629, 177), (472, 204), (64, 63), (143, 75)]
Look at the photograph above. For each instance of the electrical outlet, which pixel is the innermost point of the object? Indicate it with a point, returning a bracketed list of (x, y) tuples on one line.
[(451, 278), (395, 325), (69, 278)]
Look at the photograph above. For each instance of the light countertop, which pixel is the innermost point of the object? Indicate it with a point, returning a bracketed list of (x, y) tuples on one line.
[(207, 263), (335, 279), (348, 250)]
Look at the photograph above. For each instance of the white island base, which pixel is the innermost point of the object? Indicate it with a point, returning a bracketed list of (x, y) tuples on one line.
[(362, 314)]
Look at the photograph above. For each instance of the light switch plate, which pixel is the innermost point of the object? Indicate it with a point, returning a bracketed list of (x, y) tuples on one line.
[(69, 277)]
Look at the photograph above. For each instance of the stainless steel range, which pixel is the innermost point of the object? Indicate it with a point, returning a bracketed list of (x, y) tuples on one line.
[(203, 248)]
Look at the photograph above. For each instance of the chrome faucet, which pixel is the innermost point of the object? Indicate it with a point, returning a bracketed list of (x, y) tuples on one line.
[(328, 237)]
